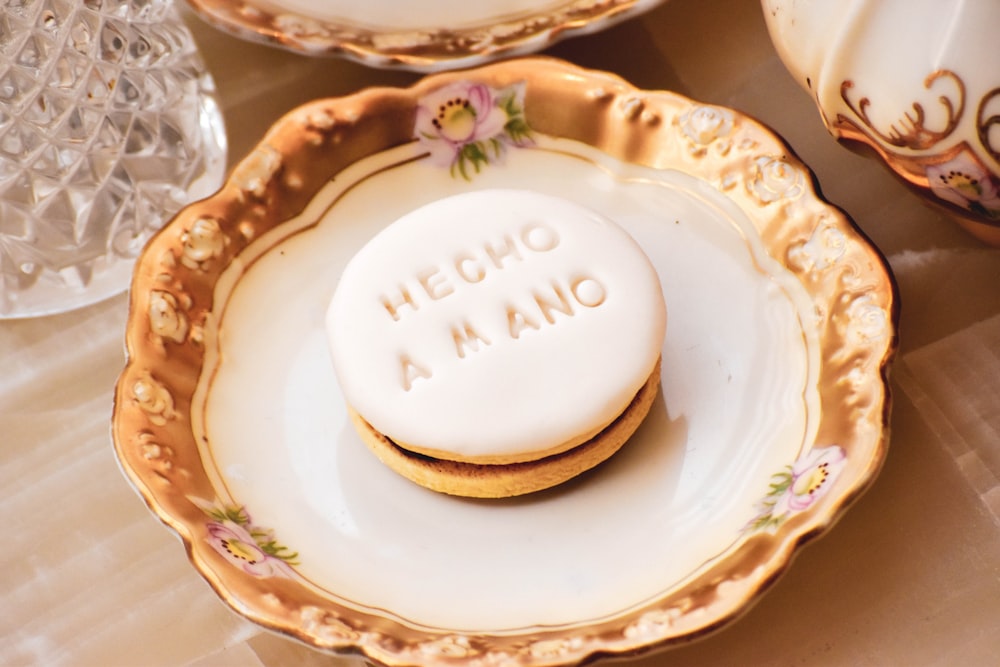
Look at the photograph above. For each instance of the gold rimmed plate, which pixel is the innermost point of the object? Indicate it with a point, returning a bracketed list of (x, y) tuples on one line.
[(770, 421), (429, 36)]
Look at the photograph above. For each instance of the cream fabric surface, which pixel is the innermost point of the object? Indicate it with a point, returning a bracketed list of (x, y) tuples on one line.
[(911, 574), (953, 382)]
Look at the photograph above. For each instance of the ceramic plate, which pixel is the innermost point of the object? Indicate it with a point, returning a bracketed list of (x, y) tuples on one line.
[(770, 420), (431, 35)]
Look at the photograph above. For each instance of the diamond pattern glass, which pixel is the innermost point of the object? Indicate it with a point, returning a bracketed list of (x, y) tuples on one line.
[(108, 125)]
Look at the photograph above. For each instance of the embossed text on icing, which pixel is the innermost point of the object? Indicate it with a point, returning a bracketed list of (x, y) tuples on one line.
[(517, 314), (584, 291), (411, 371), (471, 266), (399, 299), (467, 337)]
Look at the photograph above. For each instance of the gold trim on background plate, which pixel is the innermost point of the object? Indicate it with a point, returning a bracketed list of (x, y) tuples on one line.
[(424, 49)]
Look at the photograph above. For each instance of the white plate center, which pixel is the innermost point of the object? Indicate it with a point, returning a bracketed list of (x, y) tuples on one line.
[(736, 406)]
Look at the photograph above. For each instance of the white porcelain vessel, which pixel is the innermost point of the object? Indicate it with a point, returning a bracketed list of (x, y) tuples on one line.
[(918, 81)]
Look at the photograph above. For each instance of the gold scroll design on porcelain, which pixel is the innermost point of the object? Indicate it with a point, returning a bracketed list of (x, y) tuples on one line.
[(985, 125), (911, 130), (912, 133)]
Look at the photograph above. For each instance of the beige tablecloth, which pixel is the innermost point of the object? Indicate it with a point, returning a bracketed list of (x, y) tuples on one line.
[(910, 576)]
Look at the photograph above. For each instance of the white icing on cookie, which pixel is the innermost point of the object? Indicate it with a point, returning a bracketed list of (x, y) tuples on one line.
[(496, 325)]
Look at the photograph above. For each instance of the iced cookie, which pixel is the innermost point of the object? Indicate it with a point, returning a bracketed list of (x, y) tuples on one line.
[(497, 342)]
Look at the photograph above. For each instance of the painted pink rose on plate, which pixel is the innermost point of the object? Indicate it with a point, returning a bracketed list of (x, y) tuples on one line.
[(467, 124), (799, 486), (251, 548)]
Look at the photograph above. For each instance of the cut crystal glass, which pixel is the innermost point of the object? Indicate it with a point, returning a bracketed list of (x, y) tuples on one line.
[(108, 126)]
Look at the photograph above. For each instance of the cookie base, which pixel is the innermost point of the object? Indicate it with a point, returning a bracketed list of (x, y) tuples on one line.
[(513, 479)]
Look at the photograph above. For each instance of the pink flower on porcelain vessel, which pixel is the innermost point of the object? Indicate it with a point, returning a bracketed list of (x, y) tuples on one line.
[(799, 487), (251, 548), (469, 124), (967, 184)]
